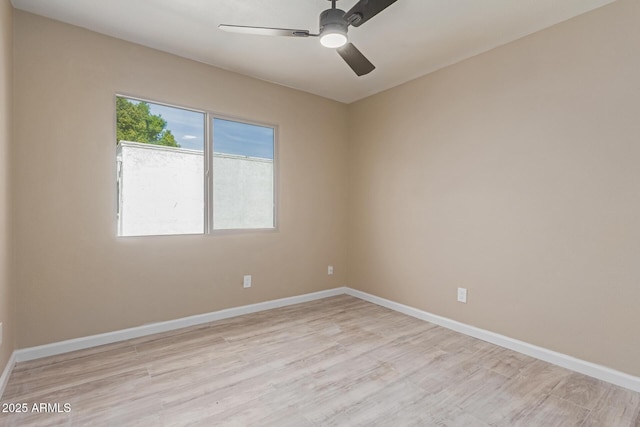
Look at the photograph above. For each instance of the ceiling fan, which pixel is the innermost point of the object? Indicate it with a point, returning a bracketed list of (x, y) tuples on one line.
[(334, 24)]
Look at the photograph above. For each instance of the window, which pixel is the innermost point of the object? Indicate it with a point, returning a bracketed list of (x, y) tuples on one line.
[(242, 175), (173, 179)]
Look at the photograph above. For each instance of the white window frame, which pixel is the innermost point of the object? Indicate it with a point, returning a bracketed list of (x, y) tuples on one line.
[(209, 116)]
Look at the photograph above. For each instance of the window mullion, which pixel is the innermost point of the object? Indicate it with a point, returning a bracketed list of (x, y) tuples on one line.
[(208, 185)]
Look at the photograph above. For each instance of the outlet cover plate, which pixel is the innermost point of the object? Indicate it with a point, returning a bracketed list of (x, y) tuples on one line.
[(462, 295)]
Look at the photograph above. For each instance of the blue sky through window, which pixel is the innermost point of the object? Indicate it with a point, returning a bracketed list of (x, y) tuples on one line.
[(186, 126), (229, 137)]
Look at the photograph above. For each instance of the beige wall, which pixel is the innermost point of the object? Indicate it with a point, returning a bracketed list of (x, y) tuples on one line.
[(515, 174), (76, 278), (6, 295)]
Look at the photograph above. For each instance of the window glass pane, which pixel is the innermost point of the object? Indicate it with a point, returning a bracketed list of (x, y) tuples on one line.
[(160, 160), (243, 194)]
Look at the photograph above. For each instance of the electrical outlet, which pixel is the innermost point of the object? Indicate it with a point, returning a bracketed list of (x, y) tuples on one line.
[(330, 270), (246, 282), (462, 295)]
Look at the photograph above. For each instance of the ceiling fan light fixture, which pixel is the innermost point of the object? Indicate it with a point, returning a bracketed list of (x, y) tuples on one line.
[(333, 28), (333, 40)]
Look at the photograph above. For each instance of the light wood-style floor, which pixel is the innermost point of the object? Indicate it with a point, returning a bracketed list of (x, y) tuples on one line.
[(338, 361)]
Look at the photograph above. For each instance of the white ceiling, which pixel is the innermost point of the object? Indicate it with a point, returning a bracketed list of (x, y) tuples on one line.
[(409, 39)]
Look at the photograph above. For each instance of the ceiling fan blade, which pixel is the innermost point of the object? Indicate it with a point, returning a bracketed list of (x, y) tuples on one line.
[(355, 59), (365, 10), (264, 31)]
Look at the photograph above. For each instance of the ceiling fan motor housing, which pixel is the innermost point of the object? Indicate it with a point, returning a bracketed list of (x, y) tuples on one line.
[(332, 21)]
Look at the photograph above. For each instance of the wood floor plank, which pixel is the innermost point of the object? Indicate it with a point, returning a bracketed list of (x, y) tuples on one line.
[(520, 393), (553, 411), (581, 390), (387, 402), (337, 361), (617, 407)]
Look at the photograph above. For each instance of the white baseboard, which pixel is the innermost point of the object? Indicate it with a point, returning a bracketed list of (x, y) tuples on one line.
[(587, 368), (6, 373), (53, 349)]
